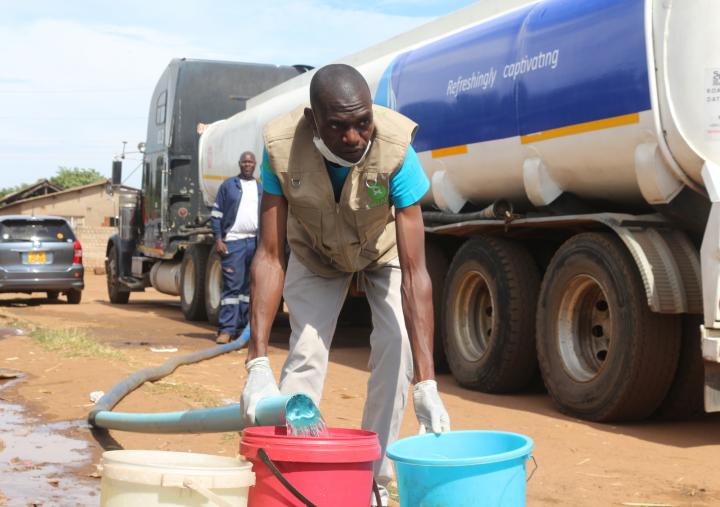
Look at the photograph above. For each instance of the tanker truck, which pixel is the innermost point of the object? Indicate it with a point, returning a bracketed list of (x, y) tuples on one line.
[(573, 150)]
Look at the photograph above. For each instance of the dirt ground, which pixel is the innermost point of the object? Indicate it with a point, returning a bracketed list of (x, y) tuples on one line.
[(650, 463)]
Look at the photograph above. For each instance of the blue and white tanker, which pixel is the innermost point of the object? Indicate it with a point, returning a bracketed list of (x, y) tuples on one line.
[(573, 219)]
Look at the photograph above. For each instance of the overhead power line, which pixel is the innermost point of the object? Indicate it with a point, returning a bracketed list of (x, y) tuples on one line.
[(89, 90), (131, 173), (71, 118)]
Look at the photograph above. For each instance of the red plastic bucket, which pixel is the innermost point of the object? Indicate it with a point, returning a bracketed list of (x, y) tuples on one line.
[(328, 471)]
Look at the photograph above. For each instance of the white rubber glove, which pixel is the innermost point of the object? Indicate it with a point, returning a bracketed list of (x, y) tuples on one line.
[(259, 384), (429, 408)]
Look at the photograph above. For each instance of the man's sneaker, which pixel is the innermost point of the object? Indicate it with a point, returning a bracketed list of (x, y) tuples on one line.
[(223, 338)]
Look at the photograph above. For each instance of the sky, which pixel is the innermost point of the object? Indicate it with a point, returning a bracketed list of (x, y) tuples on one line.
[(76, 77)]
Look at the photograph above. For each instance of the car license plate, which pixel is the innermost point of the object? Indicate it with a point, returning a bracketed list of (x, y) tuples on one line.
[(37, 258)]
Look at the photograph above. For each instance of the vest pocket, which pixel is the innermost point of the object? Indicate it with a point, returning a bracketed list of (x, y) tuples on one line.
[(370, 225), (310, 219)]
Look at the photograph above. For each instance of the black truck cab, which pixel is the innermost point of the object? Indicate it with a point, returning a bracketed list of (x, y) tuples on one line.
[(168, 218)]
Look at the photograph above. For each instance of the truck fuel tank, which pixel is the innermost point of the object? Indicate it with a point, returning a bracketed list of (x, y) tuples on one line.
[(165, 277)]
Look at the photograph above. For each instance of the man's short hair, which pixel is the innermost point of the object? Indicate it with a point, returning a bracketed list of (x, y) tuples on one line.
[(336, 80), (246, 153)]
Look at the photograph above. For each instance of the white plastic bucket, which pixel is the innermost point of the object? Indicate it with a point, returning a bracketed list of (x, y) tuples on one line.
[(154, 478)]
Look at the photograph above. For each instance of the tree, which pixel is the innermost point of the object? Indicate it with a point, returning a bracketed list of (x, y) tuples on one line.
[(11, 190), (65, 177), (75, 177)]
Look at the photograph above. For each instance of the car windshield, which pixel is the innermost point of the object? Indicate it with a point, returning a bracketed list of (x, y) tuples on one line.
[(35, 230)]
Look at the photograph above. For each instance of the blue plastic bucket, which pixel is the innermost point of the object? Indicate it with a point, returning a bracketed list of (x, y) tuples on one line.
[(462, 469)]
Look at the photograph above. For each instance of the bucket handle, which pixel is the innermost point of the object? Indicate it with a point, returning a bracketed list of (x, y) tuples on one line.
[(203, 491), (533, 470), (280, 477), (376, 492)]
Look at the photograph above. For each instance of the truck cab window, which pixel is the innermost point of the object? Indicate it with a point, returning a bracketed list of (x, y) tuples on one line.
[(161, 109)]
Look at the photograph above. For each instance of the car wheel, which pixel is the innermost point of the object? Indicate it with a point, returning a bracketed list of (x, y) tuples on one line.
[(116, 294), (489, 319), (74, 296), (192, 282), (52, 295), (604, 355)]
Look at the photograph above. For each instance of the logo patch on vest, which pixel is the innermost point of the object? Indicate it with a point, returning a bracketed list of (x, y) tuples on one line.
[(377, 194)]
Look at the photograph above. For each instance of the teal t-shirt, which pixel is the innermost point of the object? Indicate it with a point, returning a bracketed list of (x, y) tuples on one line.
[(407, 186)]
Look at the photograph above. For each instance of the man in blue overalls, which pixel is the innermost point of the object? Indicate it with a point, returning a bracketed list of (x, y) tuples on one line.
[(234, 221)]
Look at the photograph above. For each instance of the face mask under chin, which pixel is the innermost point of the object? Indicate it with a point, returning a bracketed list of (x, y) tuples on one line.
[(331, 157)]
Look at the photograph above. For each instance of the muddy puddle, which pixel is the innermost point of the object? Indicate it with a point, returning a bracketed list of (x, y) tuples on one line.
[(37, 460)]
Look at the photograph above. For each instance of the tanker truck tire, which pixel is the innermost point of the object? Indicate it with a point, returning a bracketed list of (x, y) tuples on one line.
[(437, 263), (192, 282), (213, 287), (603, 354), (489, 315), (116, 295), (685, 399)]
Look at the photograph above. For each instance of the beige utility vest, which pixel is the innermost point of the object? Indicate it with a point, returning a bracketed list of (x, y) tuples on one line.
[(358, 232)]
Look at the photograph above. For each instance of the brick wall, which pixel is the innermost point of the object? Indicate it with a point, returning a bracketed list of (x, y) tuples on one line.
[(94, 241)]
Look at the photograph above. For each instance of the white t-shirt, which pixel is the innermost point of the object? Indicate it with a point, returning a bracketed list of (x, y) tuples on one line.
[(246, 221)]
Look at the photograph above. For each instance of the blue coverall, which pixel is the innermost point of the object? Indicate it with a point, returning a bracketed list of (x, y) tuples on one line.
[(235, 297)]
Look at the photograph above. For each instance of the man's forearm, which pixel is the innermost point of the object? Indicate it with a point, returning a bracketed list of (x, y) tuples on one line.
[(418, 311), (216, 228), (267, 277)]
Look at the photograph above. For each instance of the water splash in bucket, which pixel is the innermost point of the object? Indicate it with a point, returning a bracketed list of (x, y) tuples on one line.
[(296, 412), (303, 419)]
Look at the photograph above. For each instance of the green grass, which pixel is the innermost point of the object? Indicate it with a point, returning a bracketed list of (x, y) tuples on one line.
[(74, 342)]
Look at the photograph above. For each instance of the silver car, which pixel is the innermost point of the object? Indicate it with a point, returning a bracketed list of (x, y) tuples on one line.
[(40, 254)]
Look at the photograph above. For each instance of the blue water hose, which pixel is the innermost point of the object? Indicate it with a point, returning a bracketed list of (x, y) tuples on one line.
[(206, 420)]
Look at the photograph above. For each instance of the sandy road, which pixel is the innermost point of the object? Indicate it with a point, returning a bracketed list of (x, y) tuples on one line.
[(666, 463)]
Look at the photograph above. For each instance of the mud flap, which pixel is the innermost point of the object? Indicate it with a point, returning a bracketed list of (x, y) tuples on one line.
[(712, 387), (711, 358)]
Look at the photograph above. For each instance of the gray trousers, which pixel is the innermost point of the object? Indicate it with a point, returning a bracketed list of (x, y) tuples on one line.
[(314, 303)]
